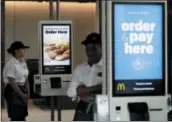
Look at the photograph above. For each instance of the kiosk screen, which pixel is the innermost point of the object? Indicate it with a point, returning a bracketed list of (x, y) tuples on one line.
[(56, 49), (138, 49)]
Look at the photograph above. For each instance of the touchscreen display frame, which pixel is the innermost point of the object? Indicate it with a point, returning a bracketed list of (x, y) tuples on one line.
[(56, 69), (120, 84)]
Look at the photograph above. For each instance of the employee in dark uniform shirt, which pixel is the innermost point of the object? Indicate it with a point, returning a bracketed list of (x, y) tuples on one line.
[(15, 75), (86, 81)]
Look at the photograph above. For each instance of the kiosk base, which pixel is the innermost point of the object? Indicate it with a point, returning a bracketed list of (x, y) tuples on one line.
[(154, 108), (52, 85), (138, 111)]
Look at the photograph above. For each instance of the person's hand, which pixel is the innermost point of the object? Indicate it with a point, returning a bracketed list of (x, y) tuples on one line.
[(82, 91), (25, 97), (78, 99), (28, 96)]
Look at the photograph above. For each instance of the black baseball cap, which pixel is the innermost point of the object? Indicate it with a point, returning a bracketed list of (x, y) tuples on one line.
[(17, 45), (92, 38)]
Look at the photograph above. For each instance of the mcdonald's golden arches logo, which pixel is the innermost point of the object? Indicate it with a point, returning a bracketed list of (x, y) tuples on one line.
[(121, 87)]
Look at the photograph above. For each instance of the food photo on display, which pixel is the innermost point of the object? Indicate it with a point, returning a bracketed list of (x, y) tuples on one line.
[(58, 50)]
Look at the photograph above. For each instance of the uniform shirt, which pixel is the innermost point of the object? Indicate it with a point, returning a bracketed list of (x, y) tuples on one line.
[(85, 75), (17, 70)]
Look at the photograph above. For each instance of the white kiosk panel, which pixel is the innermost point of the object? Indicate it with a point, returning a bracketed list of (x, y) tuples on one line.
[(137, 58), (55, 57)]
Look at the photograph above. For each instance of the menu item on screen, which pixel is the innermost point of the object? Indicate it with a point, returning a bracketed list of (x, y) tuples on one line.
[(65, 55), (58, 51)]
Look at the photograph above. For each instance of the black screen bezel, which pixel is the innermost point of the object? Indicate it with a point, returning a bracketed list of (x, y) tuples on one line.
[(114, 94), (42, 44)]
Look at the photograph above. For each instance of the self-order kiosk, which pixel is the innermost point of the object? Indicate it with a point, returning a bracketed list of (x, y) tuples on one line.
[(136, 64), (55, 57)]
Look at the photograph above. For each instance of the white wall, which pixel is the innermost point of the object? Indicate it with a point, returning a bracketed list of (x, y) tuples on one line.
[(22, 24)]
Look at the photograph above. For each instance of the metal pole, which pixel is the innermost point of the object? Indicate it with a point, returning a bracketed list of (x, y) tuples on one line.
[(106, 24), (2, 49), (52, 108), (102, 18), (59, 108), (51, 9), (57, 9), (51, 14), (58, 97)]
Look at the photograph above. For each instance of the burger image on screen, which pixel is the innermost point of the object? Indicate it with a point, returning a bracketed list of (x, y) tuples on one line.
[(57, 50)]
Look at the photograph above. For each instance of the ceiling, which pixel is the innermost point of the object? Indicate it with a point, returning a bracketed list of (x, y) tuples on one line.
[(57, 0)]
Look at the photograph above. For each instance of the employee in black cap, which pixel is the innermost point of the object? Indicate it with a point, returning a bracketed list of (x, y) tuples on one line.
[(15, 75), (86, 80)]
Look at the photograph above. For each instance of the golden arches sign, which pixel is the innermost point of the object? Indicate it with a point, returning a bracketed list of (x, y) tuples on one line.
[(121, 86)]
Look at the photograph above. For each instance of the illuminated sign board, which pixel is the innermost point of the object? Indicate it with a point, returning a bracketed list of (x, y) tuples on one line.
[(138, 49), (56, 49)]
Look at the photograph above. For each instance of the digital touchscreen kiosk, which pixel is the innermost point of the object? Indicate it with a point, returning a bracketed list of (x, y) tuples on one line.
[(56, 49), (138, 49)]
